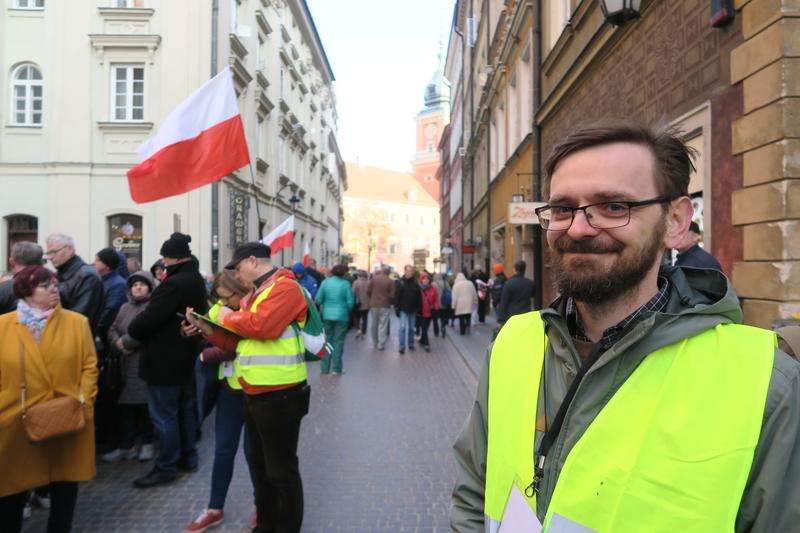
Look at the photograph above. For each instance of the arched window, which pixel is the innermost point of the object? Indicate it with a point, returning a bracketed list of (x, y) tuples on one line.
[(26, 96)]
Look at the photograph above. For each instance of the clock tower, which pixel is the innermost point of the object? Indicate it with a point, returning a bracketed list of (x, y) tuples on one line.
[(431, 121)]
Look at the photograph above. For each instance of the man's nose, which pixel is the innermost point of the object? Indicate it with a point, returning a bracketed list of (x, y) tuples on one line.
[(580, 227)]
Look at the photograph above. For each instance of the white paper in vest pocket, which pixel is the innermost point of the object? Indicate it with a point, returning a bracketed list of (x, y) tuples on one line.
[(227, 369), (562, 524), (518, 516)]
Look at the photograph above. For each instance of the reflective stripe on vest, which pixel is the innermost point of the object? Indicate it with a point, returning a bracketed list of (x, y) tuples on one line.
[(271, 362), (656, 456), (231, 367)]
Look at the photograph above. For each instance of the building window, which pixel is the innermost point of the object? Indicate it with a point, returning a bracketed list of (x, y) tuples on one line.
[(29, 4), (392, 247), (407, 219), (125, 234), (128, 3), (127, 92), (234, 15), (353, 244), (26, 96), (428, 178), (21, 228), (430, 147)]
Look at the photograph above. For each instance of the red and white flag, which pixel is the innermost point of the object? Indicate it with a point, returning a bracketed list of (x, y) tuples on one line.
[(282, 236), (306, 254), (199, 143)]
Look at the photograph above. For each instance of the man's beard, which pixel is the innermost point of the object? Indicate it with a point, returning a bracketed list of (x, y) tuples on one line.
[(582, 280)]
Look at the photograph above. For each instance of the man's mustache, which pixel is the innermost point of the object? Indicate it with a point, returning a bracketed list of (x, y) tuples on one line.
[(564, 244)]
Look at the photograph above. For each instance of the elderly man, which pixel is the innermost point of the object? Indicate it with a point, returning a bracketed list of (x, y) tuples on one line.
[(23, 254), (79, 284), (637, 401), (690, 253)]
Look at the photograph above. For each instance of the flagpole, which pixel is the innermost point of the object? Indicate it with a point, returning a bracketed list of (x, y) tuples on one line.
[(255, 195)]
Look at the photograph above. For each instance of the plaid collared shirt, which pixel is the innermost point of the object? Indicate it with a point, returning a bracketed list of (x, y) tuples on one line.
[(656, 304)]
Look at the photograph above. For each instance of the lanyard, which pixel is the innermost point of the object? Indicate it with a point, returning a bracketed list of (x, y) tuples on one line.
[(551, 434)]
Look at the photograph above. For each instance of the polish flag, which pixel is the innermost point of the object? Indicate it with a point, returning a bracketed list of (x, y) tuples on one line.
[(199, 143), (306, 254), (282, 236)]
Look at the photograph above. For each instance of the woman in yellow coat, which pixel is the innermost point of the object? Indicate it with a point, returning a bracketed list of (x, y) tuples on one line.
[(59, 360)]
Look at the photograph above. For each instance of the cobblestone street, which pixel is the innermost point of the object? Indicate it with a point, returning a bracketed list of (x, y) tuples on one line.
[(375, 454)]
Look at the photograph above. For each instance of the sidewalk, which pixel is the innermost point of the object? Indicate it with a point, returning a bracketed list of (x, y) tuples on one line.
[(472, 347)]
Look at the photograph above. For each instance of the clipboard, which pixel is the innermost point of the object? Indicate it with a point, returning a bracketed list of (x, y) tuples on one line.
[(214, 324)]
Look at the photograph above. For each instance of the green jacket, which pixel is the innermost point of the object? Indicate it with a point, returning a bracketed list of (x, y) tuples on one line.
[(699, 299), (335, 297)]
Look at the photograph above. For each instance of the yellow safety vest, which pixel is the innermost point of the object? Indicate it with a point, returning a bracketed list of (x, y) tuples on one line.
[(670, 451), (278, 361), (226, 367)]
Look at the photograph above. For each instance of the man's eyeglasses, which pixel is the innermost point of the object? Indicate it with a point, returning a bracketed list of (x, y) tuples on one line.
[(602, 215), (54, 252)]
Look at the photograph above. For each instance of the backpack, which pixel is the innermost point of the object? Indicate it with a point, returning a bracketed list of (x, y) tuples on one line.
[(313, 333), (447, 297)]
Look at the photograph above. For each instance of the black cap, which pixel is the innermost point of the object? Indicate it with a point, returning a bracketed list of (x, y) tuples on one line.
[(109, 258), (255, 249), (177, 246), (695, 228)]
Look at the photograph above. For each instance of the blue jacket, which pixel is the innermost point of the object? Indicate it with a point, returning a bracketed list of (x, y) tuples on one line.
[(116, 295), (304, 279), (335, 297)]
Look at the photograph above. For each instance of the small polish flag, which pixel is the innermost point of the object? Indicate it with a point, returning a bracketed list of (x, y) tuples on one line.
[(199, 143), (306, 254), (282, 236)]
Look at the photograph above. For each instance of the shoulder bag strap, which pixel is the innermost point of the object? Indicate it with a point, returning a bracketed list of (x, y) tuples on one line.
[(23, 385)]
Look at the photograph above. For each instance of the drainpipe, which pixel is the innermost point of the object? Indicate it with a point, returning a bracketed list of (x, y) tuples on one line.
[(215, 185), (536, 186), (487, 260)]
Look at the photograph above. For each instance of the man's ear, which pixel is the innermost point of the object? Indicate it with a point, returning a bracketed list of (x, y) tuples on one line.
[(679, 216)]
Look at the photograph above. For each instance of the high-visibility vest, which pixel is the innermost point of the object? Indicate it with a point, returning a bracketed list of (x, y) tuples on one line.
[(278, 361), (670, 451), (226, 367)]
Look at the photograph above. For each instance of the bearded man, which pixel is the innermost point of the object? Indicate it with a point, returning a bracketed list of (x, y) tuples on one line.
[(637, 401)]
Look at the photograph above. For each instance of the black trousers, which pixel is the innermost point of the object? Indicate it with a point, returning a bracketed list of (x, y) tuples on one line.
[(272, 421), (463, 323), (424, 325), (361, 320), (63, 496)]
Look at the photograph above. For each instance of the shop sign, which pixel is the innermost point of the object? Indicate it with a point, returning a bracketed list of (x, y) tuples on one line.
[(240, 205), (125, 234), (523, 212)]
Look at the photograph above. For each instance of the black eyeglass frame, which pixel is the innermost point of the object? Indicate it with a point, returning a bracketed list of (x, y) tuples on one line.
[(545, 222)]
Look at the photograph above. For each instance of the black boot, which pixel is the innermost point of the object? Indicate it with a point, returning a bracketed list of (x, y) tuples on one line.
[(154, 478)]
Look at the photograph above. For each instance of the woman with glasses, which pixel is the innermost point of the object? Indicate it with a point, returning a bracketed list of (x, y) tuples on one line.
[(57, 349), (228, 292)]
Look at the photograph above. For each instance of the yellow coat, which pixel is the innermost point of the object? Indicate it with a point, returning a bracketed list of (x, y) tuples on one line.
[(62, 360)]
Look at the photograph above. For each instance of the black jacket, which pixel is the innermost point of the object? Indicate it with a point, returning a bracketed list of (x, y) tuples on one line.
[(497, 289), (407, 296), (81, 290), (516, 298), (8, 302), (167, 357), (698, 258)]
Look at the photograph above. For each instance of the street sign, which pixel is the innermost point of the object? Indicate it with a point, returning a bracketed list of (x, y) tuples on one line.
[(523, 212)]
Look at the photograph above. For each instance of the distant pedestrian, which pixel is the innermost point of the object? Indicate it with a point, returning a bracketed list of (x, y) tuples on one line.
[(229, 404), (106, 263), (430, 307), (440, 316), (381, 293), (57, 348), (335, 299), (167, 361), (307, 282), (23, 254), (465, 301), (496, 288), (122, 269), (134, 265), (312, 271), (361, 303), (517, 294), (690, 254), (134, 419), (79, 284), (158, 270), (408, 303)]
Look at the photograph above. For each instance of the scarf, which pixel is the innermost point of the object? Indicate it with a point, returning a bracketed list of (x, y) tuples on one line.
[(34, 319)]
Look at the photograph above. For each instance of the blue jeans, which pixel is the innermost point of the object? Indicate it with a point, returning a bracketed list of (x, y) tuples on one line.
[(407, 326), (228, 423), (173, 411)]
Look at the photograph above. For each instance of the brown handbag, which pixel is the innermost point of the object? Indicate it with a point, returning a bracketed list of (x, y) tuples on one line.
[(47, 420)]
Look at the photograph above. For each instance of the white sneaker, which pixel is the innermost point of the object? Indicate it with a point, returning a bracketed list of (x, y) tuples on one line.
[(146, 453), (119, 454), (26, 511)]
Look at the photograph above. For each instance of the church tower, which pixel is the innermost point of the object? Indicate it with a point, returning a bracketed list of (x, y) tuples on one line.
[(431, 121)]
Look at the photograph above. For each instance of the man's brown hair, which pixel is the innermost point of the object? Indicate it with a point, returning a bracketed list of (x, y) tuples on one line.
[(673, 160)]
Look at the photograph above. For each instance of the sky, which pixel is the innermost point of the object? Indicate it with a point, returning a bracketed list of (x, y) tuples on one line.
[(383, 54)]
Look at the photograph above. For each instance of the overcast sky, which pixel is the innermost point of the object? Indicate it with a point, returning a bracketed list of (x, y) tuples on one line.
[(383, 53)]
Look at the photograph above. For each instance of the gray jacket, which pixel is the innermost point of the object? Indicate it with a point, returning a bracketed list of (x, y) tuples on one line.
[(699, 300)]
